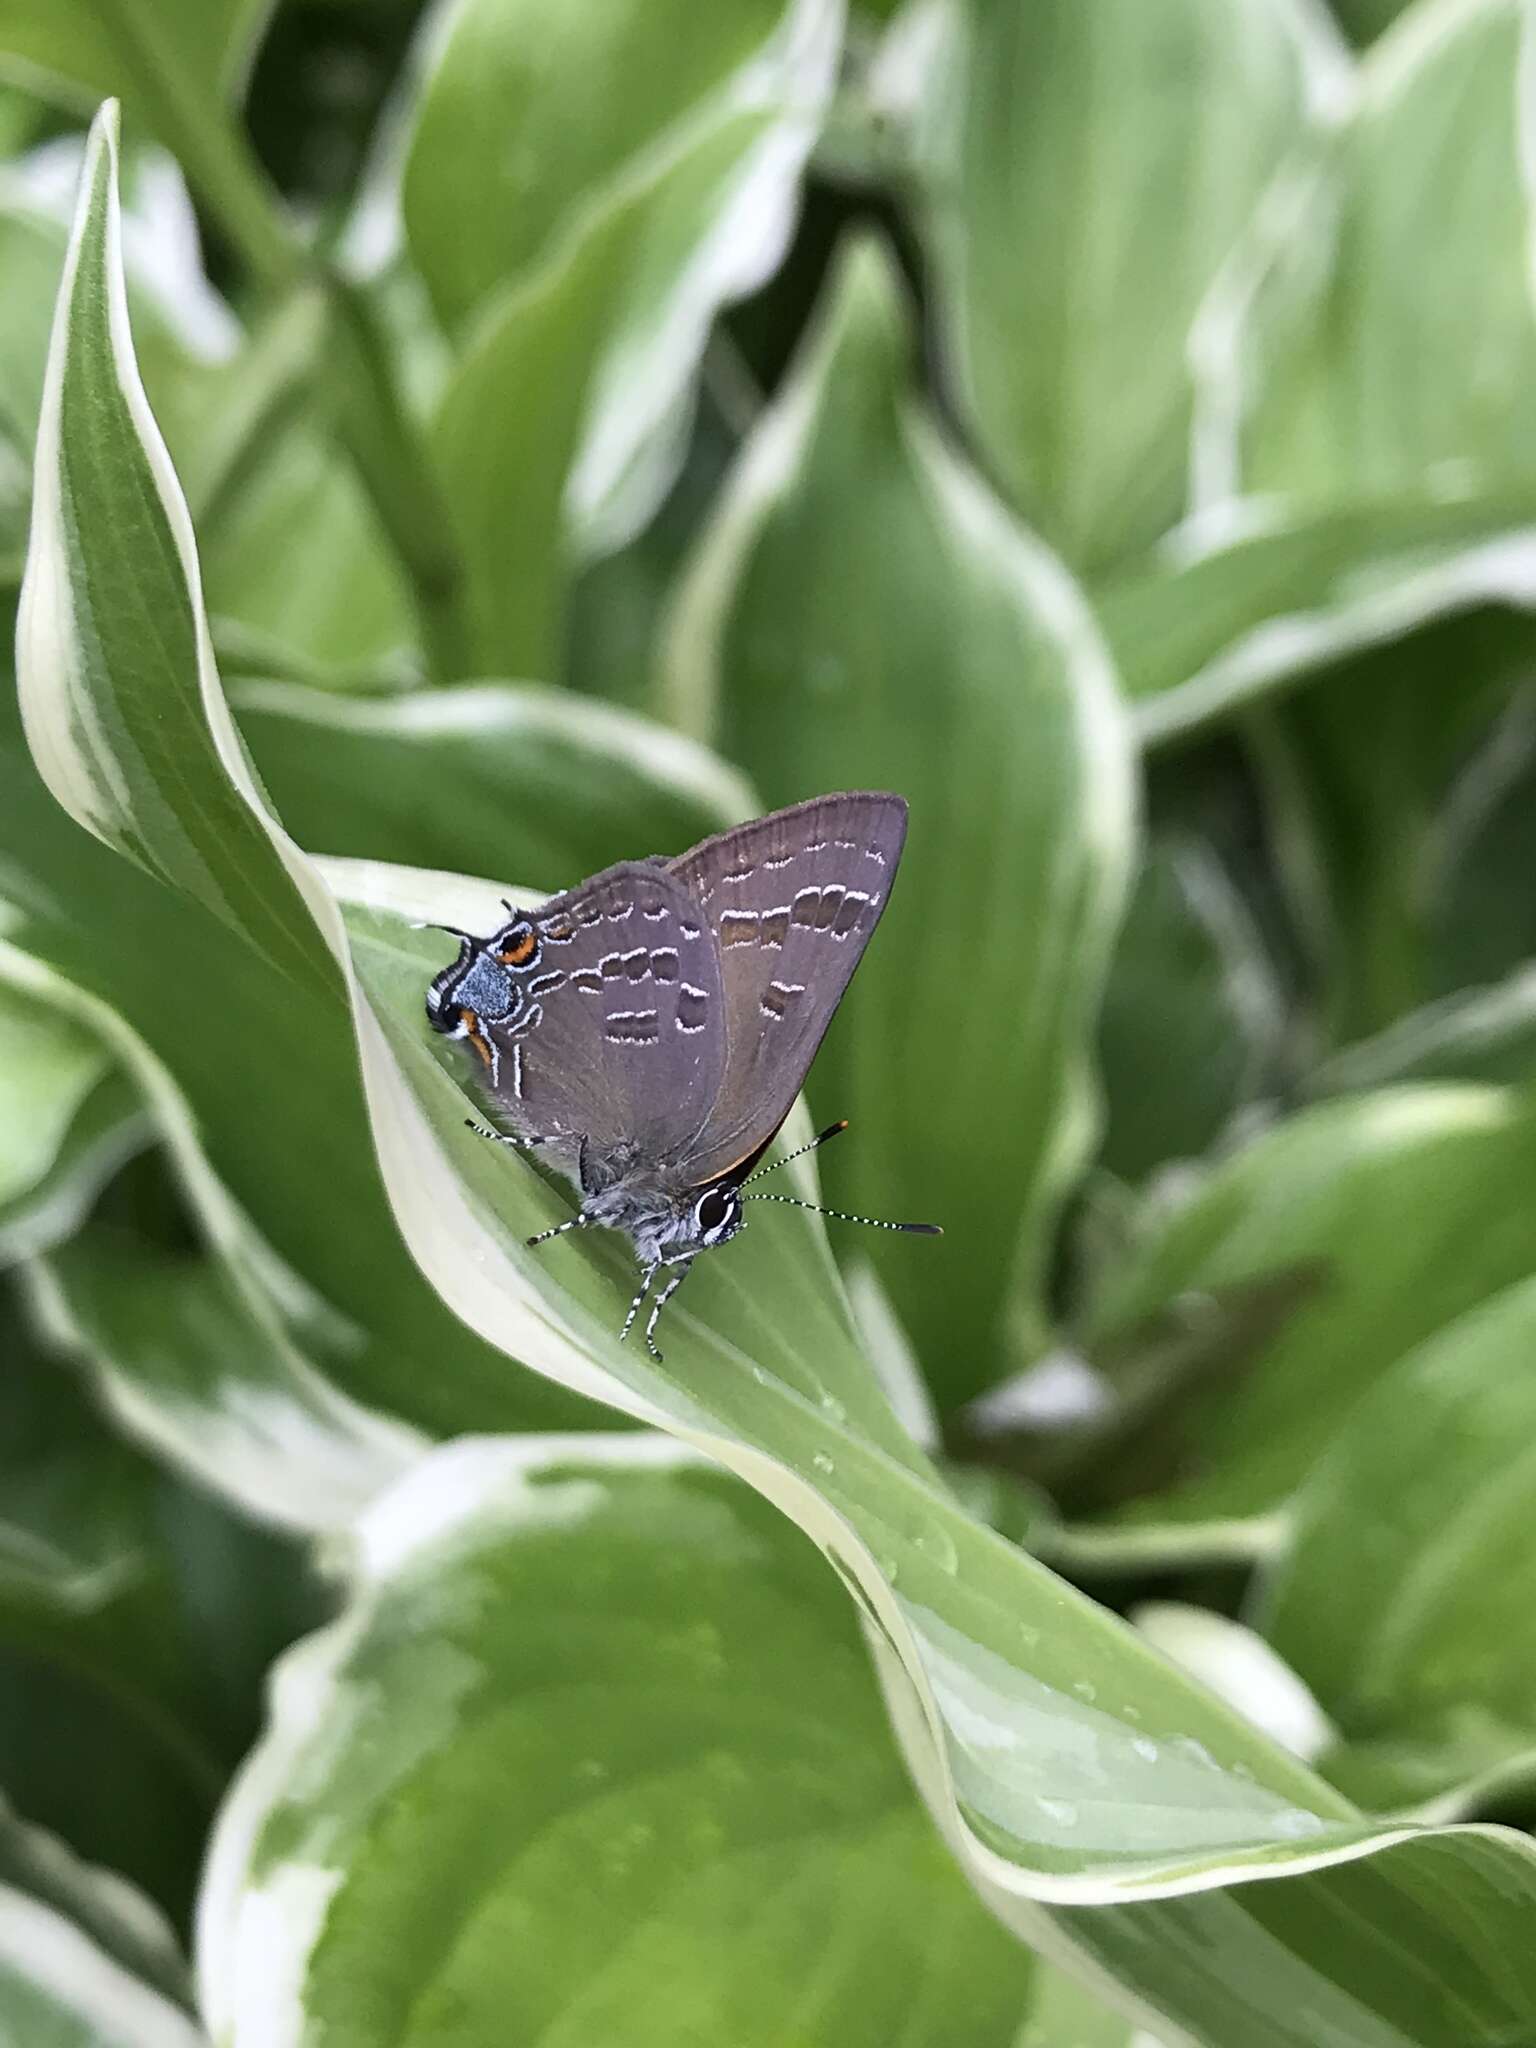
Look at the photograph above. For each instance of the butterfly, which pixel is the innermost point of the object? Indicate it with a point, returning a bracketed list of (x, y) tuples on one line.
[(649, 1030)]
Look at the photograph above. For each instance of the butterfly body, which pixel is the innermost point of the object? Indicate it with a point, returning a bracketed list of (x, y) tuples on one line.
[(649, 1030)]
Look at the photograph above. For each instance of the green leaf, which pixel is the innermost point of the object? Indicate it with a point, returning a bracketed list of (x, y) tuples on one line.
[(1206, 627), (1481, 1034), (32, 251), (1063, 188), (586, 95), (554, 785), (80, 704), (118, 1918), (106, 49), (1364, 20), (85, 1959), (177, 64), (135, 1622), (297, 555), (609, 330), (604, 1671), (1420, 1650), (192, 1353), (1352, 479), (1388, 1214), (1476, 923), (1376, 776), (927, 646), (1362, 388), (63, 1125), (1062, 2014), (1192, 1012), (1067, 1761)]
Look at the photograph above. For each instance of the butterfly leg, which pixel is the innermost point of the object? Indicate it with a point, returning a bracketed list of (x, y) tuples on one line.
[(501, 1137), (578, 1222), (634, 1307), (661, 1301)]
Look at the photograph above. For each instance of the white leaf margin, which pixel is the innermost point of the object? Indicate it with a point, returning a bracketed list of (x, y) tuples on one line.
[(297, 1455), (60, 1961), (1397, 592), (510, 711), (465, 1262)]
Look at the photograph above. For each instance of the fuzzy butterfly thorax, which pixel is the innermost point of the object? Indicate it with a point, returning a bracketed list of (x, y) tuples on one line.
[(649, 1030)]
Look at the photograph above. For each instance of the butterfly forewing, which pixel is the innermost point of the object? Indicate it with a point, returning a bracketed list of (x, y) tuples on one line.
[(625, 1045), (789, 902)]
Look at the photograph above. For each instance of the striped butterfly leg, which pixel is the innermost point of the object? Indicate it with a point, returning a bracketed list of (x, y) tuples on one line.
[(526, 1145), (502, 1137), (666, 1294), (634, 1307)]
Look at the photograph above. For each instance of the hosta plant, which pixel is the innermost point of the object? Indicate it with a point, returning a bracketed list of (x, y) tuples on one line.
[(1114, 429)]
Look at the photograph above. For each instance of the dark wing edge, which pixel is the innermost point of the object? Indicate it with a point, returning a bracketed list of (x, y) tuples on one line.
[(783, 991)]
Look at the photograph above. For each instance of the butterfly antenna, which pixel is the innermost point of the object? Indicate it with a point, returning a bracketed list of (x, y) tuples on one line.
[(842, 1215), (820, 1138)]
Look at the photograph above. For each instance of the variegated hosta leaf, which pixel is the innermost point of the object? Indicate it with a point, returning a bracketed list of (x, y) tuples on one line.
[(67, 1120), (1365, 447), (119, 48), (1421, 1650), (554, 785), (1192, 1014), (1341, 378), (608, 329), (1206, 628), (1062, 2014), (118, 1918), (85, 1960), (136, 1620), (1379, 779), (929, 646), (1353, 477), (598, 1671), (1066, 1761), (193, 1353), (1481, 1034), (1087, 172), (1310, 1261), (297, 559), (532, 113)]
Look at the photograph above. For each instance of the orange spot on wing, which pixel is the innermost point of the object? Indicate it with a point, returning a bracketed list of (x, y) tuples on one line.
[(519, 954), (477, 1038)]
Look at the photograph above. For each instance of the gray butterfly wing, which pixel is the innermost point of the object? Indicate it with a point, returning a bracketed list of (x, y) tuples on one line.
[(620, 1038), (790, 901)]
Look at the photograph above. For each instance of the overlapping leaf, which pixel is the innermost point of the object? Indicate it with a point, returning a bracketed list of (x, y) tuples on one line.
[(1421, 1649), (531, 114), (1066, 1761), (66, 1121), (931, 647), (85, 1960), (608, 329), (115, 1584), (1311, 1260), (118, 49), (1192, 1012), (1363, 446), (598, 1670), (1064, 191)]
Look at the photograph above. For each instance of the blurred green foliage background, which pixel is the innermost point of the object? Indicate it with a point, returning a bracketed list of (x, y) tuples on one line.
[(1112, 425)]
